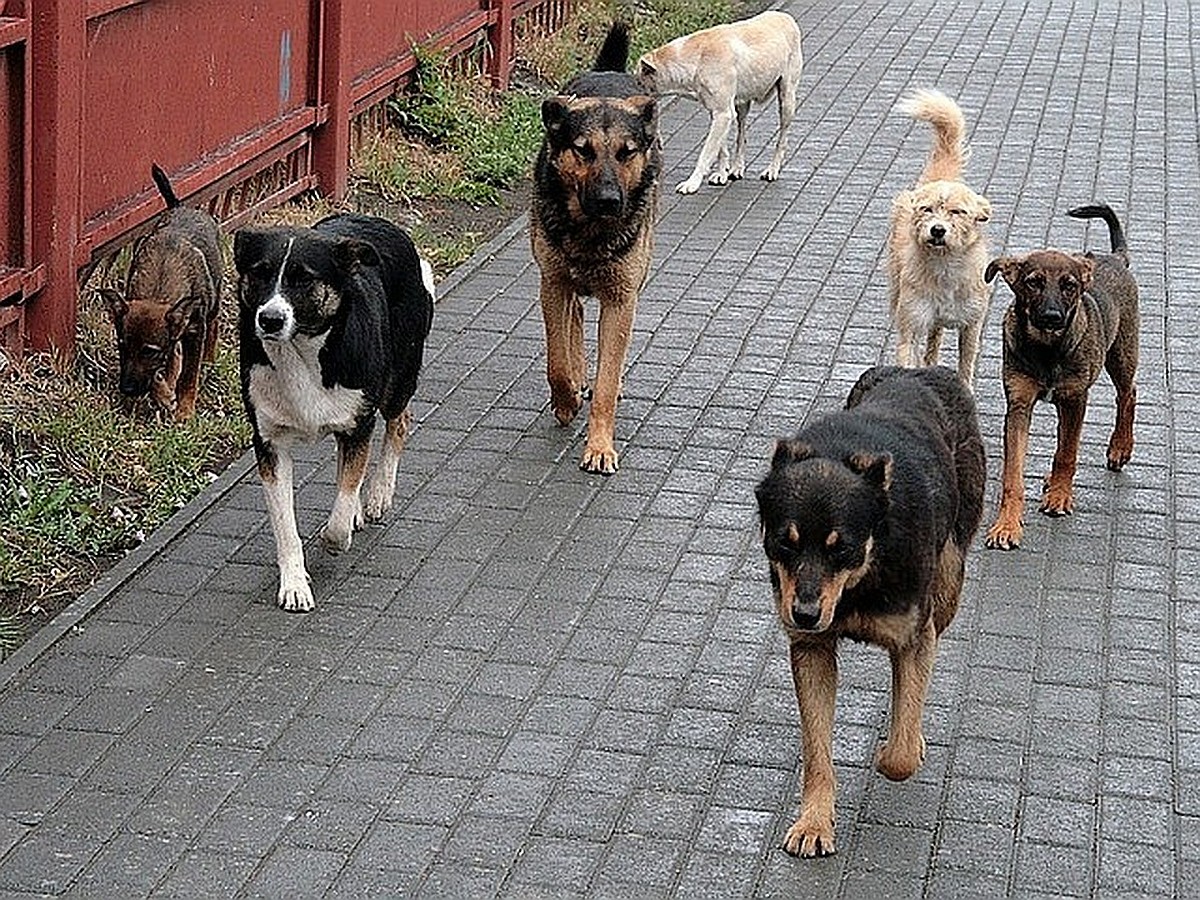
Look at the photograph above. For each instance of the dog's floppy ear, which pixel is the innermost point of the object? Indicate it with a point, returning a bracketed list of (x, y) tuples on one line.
[(647, 73), (115, 301), (791, 450), (875, 468), (903, 202), (179, 315), (983, 210), (1087, 269), (1007, 266), (247, 248), (351, 254)]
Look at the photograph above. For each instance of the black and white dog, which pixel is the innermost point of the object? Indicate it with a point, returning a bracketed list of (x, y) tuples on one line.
[(333, 321)]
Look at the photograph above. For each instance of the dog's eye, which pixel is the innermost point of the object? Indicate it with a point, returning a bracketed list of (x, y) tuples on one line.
[(584, 151), (1035, 281), (1068, 285), (150, 352), (958, 212), (926, 209), (299, 277)]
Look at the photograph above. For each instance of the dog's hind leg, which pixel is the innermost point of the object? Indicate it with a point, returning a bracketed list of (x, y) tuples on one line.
[(1120, 365), (912, 666), (381, 487), (714, 145), (785, 91), (737, 168), (346, 517), (814, 673), (275, 470), (933, 346)]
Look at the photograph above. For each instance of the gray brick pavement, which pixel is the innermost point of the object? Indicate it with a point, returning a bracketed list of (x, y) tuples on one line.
[(531, 682)]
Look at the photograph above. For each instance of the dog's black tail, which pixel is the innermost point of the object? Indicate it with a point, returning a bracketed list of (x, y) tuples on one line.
[(164, 186), (1103, 211), (614, 55)]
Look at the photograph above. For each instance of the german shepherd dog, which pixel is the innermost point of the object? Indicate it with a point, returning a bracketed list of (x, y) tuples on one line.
[(167, 318), (333, 321), (595, 196), (866, 518), (1071, 316)]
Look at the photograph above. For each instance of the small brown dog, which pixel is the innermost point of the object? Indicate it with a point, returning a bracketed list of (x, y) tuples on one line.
[(167, 318), (937, 250), (1072, 315), (595, 193)]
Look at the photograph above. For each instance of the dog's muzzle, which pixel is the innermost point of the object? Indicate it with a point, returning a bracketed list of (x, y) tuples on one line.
[(937, 236), (274, 320)]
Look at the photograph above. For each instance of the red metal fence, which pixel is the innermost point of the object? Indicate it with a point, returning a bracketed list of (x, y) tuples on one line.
[(245, 104)]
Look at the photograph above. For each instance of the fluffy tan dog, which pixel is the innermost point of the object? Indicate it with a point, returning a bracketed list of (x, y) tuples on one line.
[(726, 68), (937, 251)]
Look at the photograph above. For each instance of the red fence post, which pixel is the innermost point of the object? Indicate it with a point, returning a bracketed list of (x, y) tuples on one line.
[(500, 42), (58, 31), (331, 139)]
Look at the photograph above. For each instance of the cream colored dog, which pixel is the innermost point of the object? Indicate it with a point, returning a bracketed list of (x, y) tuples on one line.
[(726, 68), (937, 252)]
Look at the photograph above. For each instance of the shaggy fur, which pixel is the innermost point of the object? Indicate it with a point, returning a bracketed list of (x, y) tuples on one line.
[(1071, 316), (866, 518), (726, 68), (937, 251), (595, 195)]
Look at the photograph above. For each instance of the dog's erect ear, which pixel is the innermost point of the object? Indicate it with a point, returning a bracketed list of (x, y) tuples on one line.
[(791, 450), (117, 307), (875, 468), (647, 109), (351, 254), (647, 73), (554, 116), (1008, 266)]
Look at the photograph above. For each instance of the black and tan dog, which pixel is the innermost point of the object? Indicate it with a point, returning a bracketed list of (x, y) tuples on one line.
[(1072, 315), (333, 321), (866, 518), (167, 318), (595, 197)]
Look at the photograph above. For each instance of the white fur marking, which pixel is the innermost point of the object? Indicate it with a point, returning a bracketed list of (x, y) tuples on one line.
[(290, 402)]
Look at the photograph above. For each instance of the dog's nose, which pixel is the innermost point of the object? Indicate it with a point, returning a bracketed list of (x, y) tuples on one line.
[(805, 616), (938, 232), (270, 322), (1051, 319)]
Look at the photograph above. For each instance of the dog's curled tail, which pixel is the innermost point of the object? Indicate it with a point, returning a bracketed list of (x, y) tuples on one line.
[(164, 186), (1116, 235), (614, 55), (949, 153)]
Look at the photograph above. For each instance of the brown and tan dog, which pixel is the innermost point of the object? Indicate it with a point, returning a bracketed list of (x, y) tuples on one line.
[(595, 195), (1072, 315), (167, 317)]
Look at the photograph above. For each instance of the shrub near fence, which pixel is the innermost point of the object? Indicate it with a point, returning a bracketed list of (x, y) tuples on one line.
[(244, 104)]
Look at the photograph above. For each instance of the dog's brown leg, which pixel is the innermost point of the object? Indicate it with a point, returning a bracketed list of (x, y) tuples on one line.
[(933, 346), (947, 585), (347, 514), (211, 331), (912, 665), (1020, 393), (381, 487), (189, 377), (1057, 500), (559, 312), (615, 331), (1120, 364), (814, 673)]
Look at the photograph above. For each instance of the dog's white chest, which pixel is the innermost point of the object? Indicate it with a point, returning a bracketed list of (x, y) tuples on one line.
[(289, 398)]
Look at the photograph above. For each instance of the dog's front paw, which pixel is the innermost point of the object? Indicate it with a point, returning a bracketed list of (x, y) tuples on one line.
[(769, 174), (378, 500), (601, 459), (566, 401), (688, 187), (899, 763), (1118, 455), (1057, 500), (295, 595), (345, 519), (811, 835), (719, 177), (1005, 534)]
